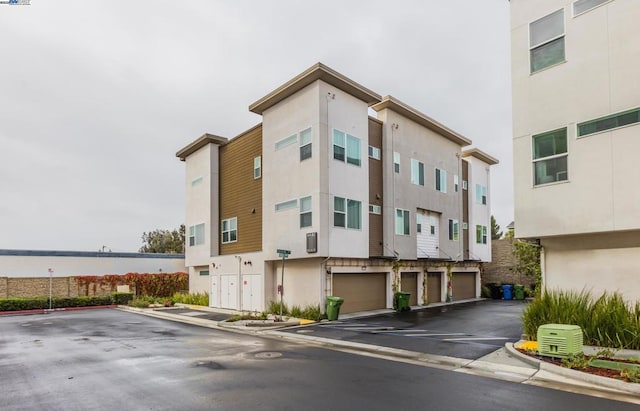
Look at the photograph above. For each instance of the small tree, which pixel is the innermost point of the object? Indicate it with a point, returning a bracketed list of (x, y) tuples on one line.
[(527, 255), (496, 234), (164, 241)]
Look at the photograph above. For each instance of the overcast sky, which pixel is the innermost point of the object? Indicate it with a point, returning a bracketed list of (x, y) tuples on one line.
[(96, 97)]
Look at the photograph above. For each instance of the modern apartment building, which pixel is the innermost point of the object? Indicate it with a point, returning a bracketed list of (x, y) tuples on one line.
[(366, 206), (576, 133)]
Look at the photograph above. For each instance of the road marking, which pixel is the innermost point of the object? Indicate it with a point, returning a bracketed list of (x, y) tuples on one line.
[(474, 338)]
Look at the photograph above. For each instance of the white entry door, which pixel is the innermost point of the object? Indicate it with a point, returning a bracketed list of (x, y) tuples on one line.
[(214, 295), (252, 292), (229, 291)]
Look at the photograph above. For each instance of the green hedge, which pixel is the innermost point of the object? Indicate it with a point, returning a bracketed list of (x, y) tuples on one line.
[(121, 298), (35, 303)]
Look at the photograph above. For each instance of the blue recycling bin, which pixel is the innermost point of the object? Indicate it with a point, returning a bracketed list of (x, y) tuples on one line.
[(506, 291)]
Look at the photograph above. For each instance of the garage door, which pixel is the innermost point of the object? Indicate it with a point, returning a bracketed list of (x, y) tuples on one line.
[(361, 292), (409, 284), (464, 286), (434, 287)]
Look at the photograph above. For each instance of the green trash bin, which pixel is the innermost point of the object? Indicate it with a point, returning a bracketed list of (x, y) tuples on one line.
[(402, 301), (519, 291), (333, 307)]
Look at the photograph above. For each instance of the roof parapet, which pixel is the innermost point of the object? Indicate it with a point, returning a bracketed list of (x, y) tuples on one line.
[(392, 103), (196, 145), (480, 155)]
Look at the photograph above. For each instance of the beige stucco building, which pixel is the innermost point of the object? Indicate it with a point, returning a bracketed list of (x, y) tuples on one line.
[(576, 112), (365, 205)]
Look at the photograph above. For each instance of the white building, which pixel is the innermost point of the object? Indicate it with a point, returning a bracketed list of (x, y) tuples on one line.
[(576, 111), (366, 206)]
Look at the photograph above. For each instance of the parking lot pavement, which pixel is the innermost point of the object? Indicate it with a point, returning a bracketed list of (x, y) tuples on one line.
[(469, 331)]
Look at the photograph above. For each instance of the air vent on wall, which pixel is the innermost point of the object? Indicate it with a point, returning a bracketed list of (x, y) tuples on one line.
[(312, 242)]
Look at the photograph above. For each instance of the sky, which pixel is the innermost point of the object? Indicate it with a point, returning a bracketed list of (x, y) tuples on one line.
[(96, 96)]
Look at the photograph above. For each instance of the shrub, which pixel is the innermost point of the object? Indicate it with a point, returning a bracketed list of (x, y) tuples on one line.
[(296, 311), (576, 362), (121, 298), (274, 307), (35, 303), (631, 374), (605, 322), (312, 312), (195, 299), (141, 302)]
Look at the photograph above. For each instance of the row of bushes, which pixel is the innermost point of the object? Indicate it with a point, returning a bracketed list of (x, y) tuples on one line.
[(38, 303), (607, 321), (309, 312), (160, 284)]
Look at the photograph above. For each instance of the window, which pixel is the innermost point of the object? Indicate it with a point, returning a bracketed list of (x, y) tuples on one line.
[(196, 234), (347, 213), (286, 142), (305, 144), (402, 222), (374, 152), (230, 230), (546, 41), (550, 157), (375, 209), (455, 183), (441, 180), (204, 272), (465, 225), (196, 181), (396, 162), (417, 172), (305, 212), (481, 234), (581, 6), (353, 150), (454, 229), (286, 205), (481, 194), (338, 145), (609, 122), (257, 167), (465, 185)]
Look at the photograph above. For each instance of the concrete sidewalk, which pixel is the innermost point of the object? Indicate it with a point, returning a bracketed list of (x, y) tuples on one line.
[(505, 363)]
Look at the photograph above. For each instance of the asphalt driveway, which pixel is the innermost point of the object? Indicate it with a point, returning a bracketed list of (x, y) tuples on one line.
[(469, 330)]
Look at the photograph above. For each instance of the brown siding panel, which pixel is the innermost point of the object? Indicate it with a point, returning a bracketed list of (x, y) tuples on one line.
[(465, 210), (375, 190), (240, 193)]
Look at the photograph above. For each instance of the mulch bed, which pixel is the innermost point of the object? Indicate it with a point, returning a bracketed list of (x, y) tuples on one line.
[(603, 372)]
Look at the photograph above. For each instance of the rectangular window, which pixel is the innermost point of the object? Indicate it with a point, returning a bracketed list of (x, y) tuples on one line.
[(196, 234), (196, 181), (339, 212), (454, 228), (396, 162), (257, 167), (286, 142), (609, 122), (286, 205), (230, 230), (465, 185), (455, 183), (417, 172), (347, 213), (353, 150), (550, 157), (546, 41), (305, 144), (441, 180), (338, 145), (402, 222), (204, 272), (582, 6), (374, 152), (481, 234), (305, 212), (354, 214), (375, 209), (481, 194)]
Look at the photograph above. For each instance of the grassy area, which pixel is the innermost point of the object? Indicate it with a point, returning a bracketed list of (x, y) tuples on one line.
[(607, 321)]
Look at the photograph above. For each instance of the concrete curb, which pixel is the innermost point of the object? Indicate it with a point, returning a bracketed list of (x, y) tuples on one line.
[(622, 386)]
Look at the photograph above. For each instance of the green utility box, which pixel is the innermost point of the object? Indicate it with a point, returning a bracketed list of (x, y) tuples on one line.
[(333, 307), (519, 291), (559, 340), (402, 301)]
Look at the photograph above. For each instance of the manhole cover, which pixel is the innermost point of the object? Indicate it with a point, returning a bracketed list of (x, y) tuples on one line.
[(304, 331), (268, 355)]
